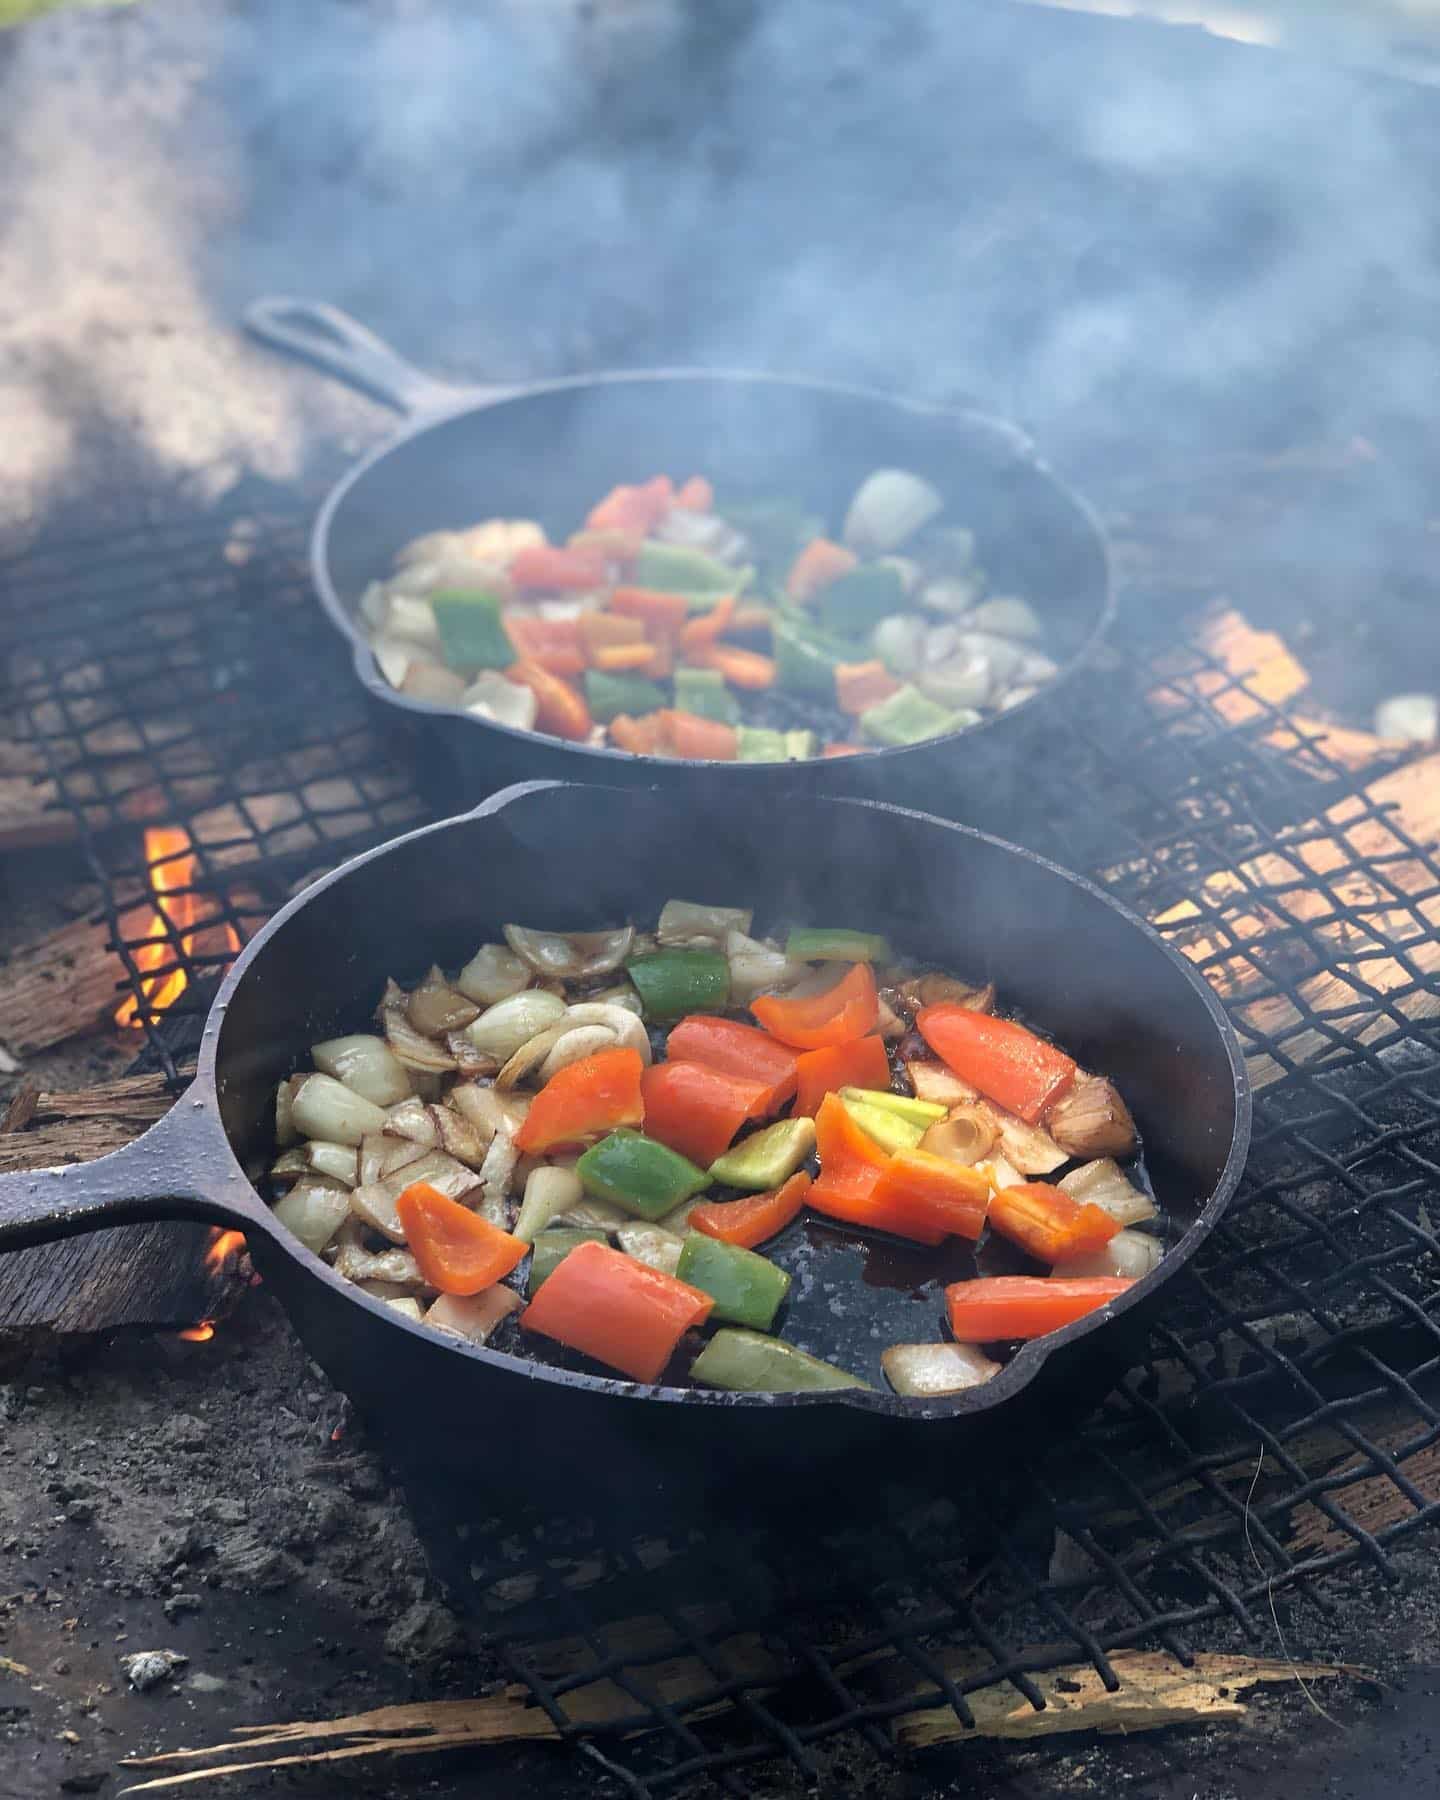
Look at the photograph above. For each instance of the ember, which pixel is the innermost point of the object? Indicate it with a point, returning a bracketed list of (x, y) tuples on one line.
[(198, 1334), (177, 918)]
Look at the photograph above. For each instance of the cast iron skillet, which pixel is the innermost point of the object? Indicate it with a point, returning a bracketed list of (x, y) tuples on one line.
[(567, 856), (550, 449)]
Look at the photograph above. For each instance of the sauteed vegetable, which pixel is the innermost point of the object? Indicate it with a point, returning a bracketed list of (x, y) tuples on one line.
[(673, 625), (604, 1145)]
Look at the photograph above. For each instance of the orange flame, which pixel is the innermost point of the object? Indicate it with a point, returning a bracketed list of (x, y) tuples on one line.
[(176, 916), (199, 1334), (223, 1246)]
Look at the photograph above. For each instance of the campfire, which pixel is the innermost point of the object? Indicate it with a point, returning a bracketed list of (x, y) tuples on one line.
[(181, 926)]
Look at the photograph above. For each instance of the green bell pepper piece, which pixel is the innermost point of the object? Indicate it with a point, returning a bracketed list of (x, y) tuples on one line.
[(674, 569), (919, 1112), (703, 692), (800, 746), (759, 744), (608, 695), (824, 945), (646, 1178), (888, 1129), (471, 634), (856, 603), (747, 1289), (672, 983), (804, 658), (766, 1158), (907, 717), (550, 1250), (750, 1363)]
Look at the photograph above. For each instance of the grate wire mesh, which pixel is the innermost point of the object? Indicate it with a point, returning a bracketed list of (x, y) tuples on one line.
[(1283, 1425)]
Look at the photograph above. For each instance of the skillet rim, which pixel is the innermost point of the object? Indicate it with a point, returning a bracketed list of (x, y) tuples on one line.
[(1022, 1368), (367, 669)]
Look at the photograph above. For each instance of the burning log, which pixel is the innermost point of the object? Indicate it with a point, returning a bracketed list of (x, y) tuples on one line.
[(59, 986)]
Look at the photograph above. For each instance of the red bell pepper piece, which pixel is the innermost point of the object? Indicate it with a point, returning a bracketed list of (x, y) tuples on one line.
[(738, 1050), (847, 1010), (864, 684), (1049, 1223), (695, 495), (552, 643), (943, 1194), (1009, 1064), (741, 668), (696, 1110), (861, 1063), (458, 1251), (546, 566), (817, 565), (753, 1218), (633, 508), (851, 1167), (619, 1311), (700, 633), (641, 737), (662, 615), (701, 740), (561, 709), (998, 1308), (587, 1100)]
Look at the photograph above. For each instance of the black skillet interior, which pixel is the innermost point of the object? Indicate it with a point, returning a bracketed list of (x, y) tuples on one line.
[(570, 857), (552, 452)]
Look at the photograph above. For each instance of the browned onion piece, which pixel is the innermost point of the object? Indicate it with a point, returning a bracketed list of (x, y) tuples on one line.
[(569, 956), (967, 1136), (435, 1008), (1091, 1119)]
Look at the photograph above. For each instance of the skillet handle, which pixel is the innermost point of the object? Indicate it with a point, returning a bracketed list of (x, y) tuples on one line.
[(181, 1168), (343, 347)]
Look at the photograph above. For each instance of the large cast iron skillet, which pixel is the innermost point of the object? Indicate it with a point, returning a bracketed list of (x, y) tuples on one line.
[(549, 450), (563, 856)]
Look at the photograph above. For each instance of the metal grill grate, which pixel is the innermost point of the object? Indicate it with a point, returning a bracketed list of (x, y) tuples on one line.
[(1282, 1424)]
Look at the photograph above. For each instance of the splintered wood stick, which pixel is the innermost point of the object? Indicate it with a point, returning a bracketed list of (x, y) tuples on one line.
[(43, 1129)]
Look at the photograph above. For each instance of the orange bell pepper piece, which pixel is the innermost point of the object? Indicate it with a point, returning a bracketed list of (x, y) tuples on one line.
[(633, 508), (561, 710), (696, 1110), (753, 1218), (554, 644), (458, 1251), (861, 1063), (622, 1312), (641, 737), (696, 494), (741, 668), (817, 565), (940, 1193), (864, 684), (662, 659), (1000, 1308), (624, 656), (847, 1010), (601, 630), (545, 566), (851, 1166), (1009, 1064), (587, 1100), (736, 1049), (700, 633), (661, 615), (702, 740), (1048, 1223)]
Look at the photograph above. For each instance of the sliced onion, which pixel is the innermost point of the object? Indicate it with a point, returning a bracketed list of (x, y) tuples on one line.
[(497, 540), (925, 1371), (374, 1202), (1036, 669), (412, 620), (622, 1021), (393, 657), (574, 1046), (933, 1081), (1016, 696), (688, 922), (962, 680), (474, 1316), (1106, 1185), (468, 1060), (890, 506), (380, 1156), (1031, 1150), (1091, 1119), (432, 681), (398, 1267), (950, 549), (435, 1008), (890, 1024), (967, 1136), (313, 1211), (496, 1173), (527, 1059), (906, 568), (365, 1063), (1130, 1254), (458, 1137), (289, 1166), (953, 595), (935, 990), (492, 974), (491, 696), (325, 1108), (407, 1309), (502, 1029), (899, 642), (566, 956), (398, 1154), (651, 1245), (1006, 658), (429, 547), (1008, 615), (413, 1048), (338, 1162), (285, 1132), (591, 1214), (678, 1220), (374, 605), (483, 1107), (549, 1191), (759, 968), (1002, 1173)]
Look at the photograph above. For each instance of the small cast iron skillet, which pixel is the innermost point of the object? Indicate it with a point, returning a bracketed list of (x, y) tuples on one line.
[(565, 856), (549, 450)]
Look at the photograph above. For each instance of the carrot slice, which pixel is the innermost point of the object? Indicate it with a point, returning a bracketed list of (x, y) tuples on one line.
[(998, 1308), (586, 1100), (696, 1110), (662, 615), (703, 740), (545, 566), (753, 1218), (641, 737), (458, 1251), (561, 709), (817, 565), (941, 1193), (847, 1010), (624, 656), (696, 494), (1009, 1064), (741, 668), (736, 1049), (862, 1063), (702, 632), (554, 644), (1049, 1223), (619, 1311), (862, 685)]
